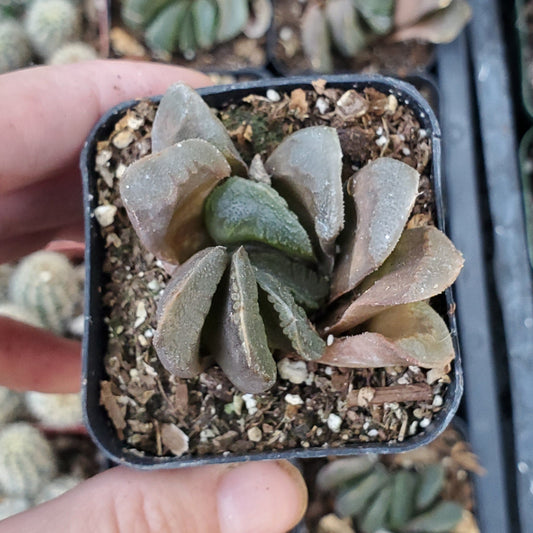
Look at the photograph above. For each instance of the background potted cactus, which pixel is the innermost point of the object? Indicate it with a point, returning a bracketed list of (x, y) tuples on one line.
[(206, 34), (51, 31), (388, 36), (268, 284)]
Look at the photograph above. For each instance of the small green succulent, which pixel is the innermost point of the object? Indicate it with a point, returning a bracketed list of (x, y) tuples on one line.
[(397, 500), (260, 252), (189, 25), (349, 26)]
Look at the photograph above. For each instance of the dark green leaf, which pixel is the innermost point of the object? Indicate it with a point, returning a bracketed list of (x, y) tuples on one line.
[(308, 288), (346, 30), (430, 485), (336, 473), (293, 320), (440, 519), (163, 33), (137, 14), (316, 40), (187, 41), (241, 211), (183, 308), (204, 14), (403, 498), (378, 14), (232, 18), (375, 516)]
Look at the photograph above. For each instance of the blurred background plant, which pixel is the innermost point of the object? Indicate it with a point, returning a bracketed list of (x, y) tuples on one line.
[(44, 450), (426, 490)]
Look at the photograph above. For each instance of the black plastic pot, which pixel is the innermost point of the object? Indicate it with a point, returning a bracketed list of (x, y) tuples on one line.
[(525, 44), (526, 146), (94, 345)]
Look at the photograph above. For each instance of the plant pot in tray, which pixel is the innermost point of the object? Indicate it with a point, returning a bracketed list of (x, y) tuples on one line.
[(280, 334), (393, 37)]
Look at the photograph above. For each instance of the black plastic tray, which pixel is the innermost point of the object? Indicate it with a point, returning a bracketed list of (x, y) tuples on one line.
[(94, 343)]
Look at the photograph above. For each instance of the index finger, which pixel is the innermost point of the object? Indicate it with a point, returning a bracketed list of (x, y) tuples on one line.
[(47, 112)]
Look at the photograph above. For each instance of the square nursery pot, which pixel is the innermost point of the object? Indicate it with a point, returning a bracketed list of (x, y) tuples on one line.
[(97, 387)]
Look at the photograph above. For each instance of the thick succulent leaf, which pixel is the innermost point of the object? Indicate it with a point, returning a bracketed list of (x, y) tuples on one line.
[(277, 340), (404, 486), (423, 264), (431, 483), (383, 192), (336, 473), (352, 501), (164, 196), (259, 23), (441, 518), (182, 114), (374, 518), (408, 12), (232, 18), (346, 31), (366, 350), (136, 14), (442, 27), (378, 14), (293, 320), (241, 211), (204, 13), (187, 41), (308, 288), (418, 330), (316, 41), (164, 32), (183, 308), (241, 347), (306, 168)]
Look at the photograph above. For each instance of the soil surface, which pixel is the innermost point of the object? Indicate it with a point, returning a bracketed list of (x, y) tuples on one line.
[(383, 57), (147, 405)]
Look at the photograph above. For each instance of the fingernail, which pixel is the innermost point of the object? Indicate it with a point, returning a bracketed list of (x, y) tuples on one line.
[(261, 497)]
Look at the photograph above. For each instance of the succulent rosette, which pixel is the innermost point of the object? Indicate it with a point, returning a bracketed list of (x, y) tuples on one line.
[(283, 255)]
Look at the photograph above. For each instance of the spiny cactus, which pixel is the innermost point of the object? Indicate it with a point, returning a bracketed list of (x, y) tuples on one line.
[(27, 461), (257, 256), (11, 405), (22, 314), (56, 488), (46, 283), (56, 411), (187, 25), (72, 53), (15, 50), (11, 506), (349, 26), (398, 500), (52, 23)]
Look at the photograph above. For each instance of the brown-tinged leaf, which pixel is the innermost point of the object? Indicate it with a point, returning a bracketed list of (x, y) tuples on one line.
[(366, 350), (384, 192), (306, 169), (407, 12), (423, 264), (164, 196), (182, 115), (346, 30), (183, 308), (442, 27), (315, 38), (418, 330), (174, 439), (240, 344)]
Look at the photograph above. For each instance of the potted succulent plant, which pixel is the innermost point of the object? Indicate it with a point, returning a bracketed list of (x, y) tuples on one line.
[(427, 489), (259, 274), (205, 34), (391, 36)]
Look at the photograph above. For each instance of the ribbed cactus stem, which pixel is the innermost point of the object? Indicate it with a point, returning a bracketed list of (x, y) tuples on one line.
[(52, 23), (27, 461), (56, 411), (11, 405), (46, 283), (73, 53), (15, 50)]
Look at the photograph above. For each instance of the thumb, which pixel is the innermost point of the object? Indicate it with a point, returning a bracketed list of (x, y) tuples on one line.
[(255, 497)]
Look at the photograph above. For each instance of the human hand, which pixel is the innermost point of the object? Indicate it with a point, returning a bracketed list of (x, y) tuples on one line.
[(47, 114)]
